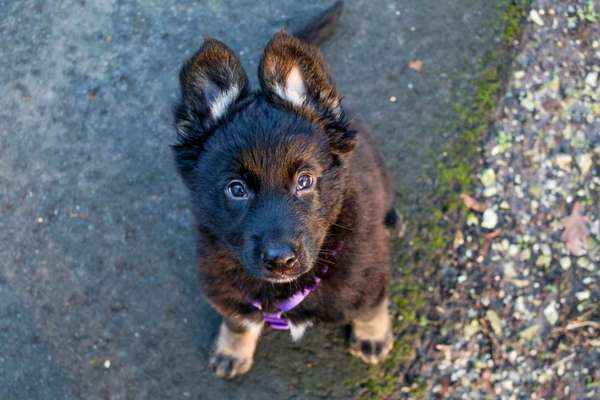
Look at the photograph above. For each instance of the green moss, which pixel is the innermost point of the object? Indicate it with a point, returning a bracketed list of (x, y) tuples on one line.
[(512, 20), (430, 237)]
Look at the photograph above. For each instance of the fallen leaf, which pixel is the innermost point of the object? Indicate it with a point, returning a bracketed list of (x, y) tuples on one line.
[(576, 231), (471, 203), (416, 65), (487, 239), (486, 382)]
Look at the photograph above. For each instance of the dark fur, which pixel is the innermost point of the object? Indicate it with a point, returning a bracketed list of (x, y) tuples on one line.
[(264, 139)]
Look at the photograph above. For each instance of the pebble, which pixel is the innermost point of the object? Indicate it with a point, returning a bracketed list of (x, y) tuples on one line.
[(490, 191), (565, 263), (509, 270), (490, 219), (495, 322), (472, 219), (535, 17), (564, 161), (471, 329), (592, 79), (550, 313), (585, 264), (584, 161), (529, 333), (107, 364), (583, 295), (488, 177), (543, 260)]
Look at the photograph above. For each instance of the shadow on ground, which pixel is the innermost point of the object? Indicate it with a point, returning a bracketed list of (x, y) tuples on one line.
[(98, 290)]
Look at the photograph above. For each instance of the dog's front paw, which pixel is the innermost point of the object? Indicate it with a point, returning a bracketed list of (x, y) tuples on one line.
[(371, 351), (226, 366)]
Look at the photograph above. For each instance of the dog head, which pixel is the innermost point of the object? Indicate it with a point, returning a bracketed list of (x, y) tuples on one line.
[(265, 169)]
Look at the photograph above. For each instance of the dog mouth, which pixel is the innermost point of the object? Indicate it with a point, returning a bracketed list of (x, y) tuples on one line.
[(286, 276), (289, 274), (274, 279)]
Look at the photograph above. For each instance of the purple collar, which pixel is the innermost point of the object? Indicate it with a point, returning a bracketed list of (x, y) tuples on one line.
[(276, 320)]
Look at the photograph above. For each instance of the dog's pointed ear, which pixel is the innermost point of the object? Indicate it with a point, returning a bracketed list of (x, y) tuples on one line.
[(292, 74), (211, 82)]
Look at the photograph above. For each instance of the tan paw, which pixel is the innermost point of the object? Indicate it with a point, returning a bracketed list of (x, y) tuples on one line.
[(371, 351), (226, 366)]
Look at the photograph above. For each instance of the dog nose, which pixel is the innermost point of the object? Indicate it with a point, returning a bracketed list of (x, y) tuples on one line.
[(279, 256)]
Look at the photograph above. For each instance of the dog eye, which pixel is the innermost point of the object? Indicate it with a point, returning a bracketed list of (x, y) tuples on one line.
[(305, 181), (236, 190)]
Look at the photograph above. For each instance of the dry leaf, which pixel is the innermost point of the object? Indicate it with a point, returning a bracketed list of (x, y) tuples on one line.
[(416, 65), (487, 239), (576, 231), (472, 204), (486, 382)]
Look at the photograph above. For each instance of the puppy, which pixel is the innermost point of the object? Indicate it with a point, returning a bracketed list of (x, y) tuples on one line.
[(290, 197)]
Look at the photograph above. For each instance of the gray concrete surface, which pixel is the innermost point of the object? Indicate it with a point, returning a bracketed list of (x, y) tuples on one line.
[(96, 239)]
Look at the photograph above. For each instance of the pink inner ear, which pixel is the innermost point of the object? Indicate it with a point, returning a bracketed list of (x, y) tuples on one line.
[(295, 82), (295, 90)]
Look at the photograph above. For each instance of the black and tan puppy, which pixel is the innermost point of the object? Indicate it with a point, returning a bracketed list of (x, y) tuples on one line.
[(290, 197)]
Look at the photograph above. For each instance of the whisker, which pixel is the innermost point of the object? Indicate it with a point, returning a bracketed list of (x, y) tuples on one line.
[(326, 261), (350, 229)]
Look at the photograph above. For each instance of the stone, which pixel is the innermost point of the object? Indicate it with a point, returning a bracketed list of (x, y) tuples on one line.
[(591, 79), (583, 295), (488, 177), (536, 18), (529, 333), (490, 219), (495, 322), (564, 161), (550, 313), (584, 161), (565, 263)]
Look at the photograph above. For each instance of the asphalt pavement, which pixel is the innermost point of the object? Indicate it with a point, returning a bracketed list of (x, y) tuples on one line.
[(98, 288)]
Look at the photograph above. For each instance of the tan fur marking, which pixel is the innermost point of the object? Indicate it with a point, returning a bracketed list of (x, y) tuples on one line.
[(240, 346), (376, 328)]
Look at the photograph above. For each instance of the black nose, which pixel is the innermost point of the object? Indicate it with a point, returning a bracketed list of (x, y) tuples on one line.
[(278, 256)]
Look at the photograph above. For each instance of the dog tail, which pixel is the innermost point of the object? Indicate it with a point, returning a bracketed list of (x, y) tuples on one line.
[(319, 28)]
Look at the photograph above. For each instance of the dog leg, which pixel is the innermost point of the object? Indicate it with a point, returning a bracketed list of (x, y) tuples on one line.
[(235, 347), (372, 338)]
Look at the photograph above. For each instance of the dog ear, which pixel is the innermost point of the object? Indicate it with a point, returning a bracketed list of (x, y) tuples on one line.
[(211, 82), (292, 74)]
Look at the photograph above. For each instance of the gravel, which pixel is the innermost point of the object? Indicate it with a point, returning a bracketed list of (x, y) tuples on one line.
[(523, 320)]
